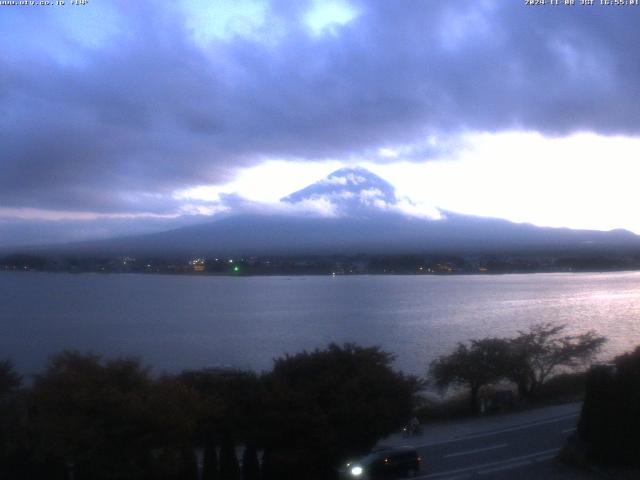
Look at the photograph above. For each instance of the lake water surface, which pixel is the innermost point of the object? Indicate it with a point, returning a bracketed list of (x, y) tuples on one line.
[(177, 322)]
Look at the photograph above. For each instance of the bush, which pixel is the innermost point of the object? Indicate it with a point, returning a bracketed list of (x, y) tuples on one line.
[(453, 406), (327, 404), (565, 387), (610, 419), (109, 419)]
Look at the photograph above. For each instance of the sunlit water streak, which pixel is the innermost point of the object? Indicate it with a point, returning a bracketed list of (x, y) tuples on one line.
[(176, 322)]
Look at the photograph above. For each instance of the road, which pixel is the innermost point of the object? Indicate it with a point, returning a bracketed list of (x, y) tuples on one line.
[(521, 446)]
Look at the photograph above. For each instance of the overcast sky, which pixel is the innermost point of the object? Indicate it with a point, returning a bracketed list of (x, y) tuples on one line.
[(122, 117)]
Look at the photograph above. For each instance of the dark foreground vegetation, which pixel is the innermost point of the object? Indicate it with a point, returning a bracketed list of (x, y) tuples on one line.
[(609, 426), (85, 417), (525, 362), (541, 365), (89, 418)]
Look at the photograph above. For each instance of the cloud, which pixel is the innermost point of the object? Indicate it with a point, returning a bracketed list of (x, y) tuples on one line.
[(347, 179), (20, 232), (335, 180), (112, 108)]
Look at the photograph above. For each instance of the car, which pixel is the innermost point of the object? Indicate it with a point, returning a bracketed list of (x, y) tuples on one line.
[(384, 464)]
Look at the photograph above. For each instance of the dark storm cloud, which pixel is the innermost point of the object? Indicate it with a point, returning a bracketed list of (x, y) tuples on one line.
[(118, 126)]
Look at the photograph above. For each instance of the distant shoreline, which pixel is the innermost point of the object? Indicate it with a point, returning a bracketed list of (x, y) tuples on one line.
[(440, 264), (364, 274)]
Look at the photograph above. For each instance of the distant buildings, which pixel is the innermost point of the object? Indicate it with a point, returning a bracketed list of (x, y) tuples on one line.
[(197, 264)]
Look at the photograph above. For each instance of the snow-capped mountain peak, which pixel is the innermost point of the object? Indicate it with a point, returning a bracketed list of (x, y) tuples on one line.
[(351, 191)]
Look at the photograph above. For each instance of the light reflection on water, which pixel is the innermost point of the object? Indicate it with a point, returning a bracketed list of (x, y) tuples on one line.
[(176, 322)]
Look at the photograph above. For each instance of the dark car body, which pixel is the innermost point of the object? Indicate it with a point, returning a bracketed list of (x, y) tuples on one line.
[(384, 464)]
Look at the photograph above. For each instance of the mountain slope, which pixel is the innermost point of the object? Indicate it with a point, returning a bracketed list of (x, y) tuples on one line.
[(365, 220)]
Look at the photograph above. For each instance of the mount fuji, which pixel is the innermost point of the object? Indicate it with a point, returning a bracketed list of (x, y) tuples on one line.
[(355, 211), (351, 192)]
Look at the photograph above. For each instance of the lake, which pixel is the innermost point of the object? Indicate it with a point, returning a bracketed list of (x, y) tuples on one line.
[(178, 322)]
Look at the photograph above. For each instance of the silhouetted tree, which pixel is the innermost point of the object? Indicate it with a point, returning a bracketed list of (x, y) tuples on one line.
[(627, 406), (210, 463), (250, 465), (610, 418), (229, 467), (232, 403), (539, 352), (474, 366), (10, 381), (326, 404), (108, 417), (267, 467), (12, 441)]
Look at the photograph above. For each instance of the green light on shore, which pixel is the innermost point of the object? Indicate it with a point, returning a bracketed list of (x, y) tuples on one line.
[(236, 268)]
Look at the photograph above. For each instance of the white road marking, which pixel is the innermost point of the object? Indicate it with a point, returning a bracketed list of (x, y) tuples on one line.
[(511, 466), (464, 476), (544, 458), (504, 430), (469, 452), (569, 430), (502, 468), (505, 463)]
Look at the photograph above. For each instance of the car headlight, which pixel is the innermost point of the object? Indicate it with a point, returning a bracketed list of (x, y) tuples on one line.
[(356, 471)]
